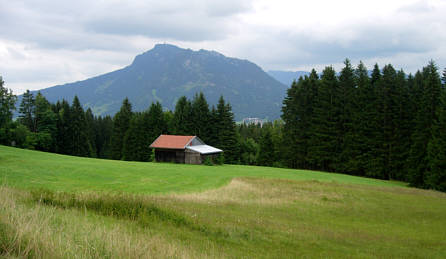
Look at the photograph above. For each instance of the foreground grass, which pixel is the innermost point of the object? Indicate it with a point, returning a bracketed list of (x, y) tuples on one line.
[(54, 206), (30, 169), (250, 217)]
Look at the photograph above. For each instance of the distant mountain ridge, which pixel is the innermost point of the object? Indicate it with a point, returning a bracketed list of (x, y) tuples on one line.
[(168, 72), (287, 77)]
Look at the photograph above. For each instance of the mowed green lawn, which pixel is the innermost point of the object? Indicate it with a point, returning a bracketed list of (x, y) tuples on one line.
[(30, 169), (99, 208)]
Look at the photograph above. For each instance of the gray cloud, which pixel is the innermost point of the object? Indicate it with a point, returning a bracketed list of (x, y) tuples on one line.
[(47, 42)]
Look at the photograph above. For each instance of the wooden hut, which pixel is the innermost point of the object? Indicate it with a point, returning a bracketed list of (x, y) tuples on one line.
[(182, 149)]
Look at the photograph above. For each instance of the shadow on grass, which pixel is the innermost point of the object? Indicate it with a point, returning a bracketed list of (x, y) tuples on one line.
[(130, 207)]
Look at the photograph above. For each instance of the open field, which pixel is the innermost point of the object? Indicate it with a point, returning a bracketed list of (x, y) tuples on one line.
[(29, 169), (98, 208)]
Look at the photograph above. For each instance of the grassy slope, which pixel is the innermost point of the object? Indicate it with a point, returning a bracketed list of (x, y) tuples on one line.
[(336, 216), (29, 169)]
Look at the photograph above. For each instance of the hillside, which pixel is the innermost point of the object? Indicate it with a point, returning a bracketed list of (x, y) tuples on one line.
[(61, 206), (287, 77), (167, 72)]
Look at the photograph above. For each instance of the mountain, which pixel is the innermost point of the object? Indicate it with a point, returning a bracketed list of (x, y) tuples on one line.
[(168, 72), (287, 77)]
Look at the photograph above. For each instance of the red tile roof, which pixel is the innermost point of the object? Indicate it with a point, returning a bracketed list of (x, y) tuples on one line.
[(172, 141)]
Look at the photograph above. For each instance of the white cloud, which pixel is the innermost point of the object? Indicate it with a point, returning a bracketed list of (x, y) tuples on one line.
[(43, 43)]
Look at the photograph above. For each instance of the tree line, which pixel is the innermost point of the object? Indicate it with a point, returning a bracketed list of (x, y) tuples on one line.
[(67, 129), (383, 124), (386, 125)]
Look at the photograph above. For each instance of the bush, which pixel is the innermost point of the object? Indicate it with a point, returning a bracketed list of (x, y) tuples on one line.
[(208, 161), (220, 159)]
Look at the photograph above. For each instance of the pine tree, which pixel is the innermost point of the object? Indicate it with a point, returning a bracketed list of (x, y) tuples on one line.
[(103, 137), (121, 123), (213, 138), (136, 145), (297, 113), (403, 128), (200, 116), (436, 152), (363, 121), (385, 124), (418, 161), (325, 138), (27, 111), (64, 134), (182, 117), (157, 124), (7, 104), (226, 132), (266, 150), (90, 123), (45, 118), (79, 131), (347, 160)]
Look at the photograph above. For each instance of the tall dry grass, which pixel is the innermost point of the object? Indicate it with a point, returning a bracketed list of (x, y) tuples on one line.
[(37, 231)]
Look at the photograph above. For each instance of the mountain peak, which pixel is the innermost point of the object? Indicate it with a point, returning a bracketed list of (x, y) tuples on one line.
[(165, 46), (167, 72)]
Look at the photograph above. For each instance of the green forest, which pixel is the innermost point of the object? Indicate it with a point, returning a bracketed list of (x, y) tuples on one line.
[(384, 124)]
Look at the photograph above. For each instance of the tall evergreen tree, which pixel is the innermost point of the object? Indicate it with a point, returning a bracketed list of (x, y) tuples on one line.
[(200, 116), (103, 136), (7, 104), (266, 151), (78, 127), (418, 162), (64, 135), (45, 118), (325, 138), (136, 143), (182, 117), (91, 128), (347, 161), (121, 123), (297, 113), (226, 132), (436, 152), (27, 111), (385, 124), (363, 120), (157, 124), (403, 128)]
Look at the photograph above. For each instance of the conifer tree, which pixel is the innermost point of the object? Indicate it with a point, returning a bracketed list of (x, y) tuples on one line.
[(226, 132), (266, 150), (213, 138), (418, 161), (182, 117), (90, 123), (403, 128), (136, 145), (325, 138), (103, 137), (64, 135), (27, 111), (387, 110), (363, 121), (79, 131), (200, 116), (121, 123), (156, 122), (347, 160), (436, 174), (7, 104), (297, 113), (45, 118)]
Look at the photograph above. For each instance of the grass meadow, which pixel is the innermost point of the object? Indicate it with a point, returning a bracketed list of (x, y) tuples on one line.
[(54, 206)]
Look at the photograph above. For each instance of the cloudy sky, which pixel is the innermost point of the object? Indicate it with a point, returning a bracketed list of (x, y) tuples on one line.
[(44, 43)]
